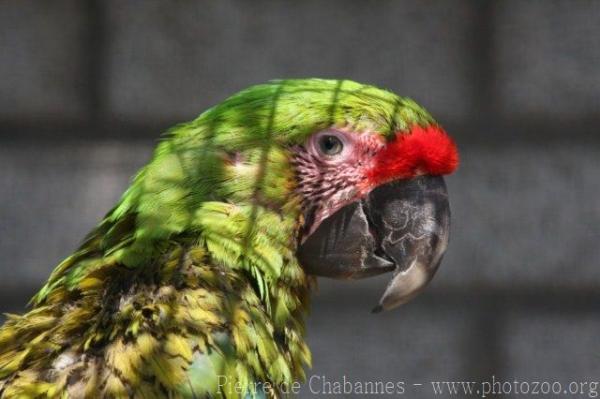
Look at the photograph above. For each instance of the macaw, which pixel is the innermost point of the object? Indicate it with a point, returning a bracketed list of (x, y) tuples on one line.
[(197, 283)]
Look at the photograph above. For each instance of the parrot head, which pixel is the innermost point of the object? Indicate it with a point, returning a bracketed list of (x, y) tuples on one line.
[(374, 199), (358, 168), (308, 176)]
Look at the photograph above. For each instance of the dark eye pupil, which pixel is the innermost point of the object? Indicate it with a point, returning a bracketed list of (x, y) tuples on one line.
[(331, 145)]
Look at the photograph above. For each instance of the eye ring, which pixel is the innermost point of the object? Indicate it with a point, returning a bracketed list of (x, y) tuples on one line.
[(330, 145)]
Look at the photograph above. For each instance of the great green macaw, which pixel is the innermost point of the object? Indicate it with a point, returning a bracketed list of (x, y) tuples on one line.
[(196, 284)]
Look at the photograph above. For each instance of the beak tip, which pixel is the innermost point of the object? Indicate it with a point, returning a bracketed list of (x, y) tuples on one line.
[(377, 309)]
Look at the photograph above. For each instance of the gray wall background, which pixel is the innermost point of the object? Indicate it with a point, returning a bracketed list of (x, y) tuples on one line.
[(86, 87)]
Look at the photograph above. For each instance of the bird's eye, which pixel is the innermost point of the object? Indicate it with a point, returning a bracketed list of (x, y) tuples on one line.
[(330, 145)]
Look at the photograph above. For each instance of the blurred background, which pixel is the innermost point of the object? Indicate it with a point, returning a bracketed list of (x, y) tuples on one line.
[(86, 88)]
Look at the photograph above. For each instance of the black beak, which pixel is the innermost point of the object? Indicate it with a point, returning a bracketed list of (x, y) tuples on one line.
[(401, 226)]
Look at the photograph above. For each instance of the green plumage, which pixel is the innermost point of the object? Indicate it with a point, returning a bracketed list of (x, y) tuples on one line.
[(192, 280)]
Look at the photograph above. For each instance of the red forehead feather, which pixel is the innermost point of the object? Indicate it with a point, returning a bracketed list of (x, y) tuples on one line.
[(424, 150)]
